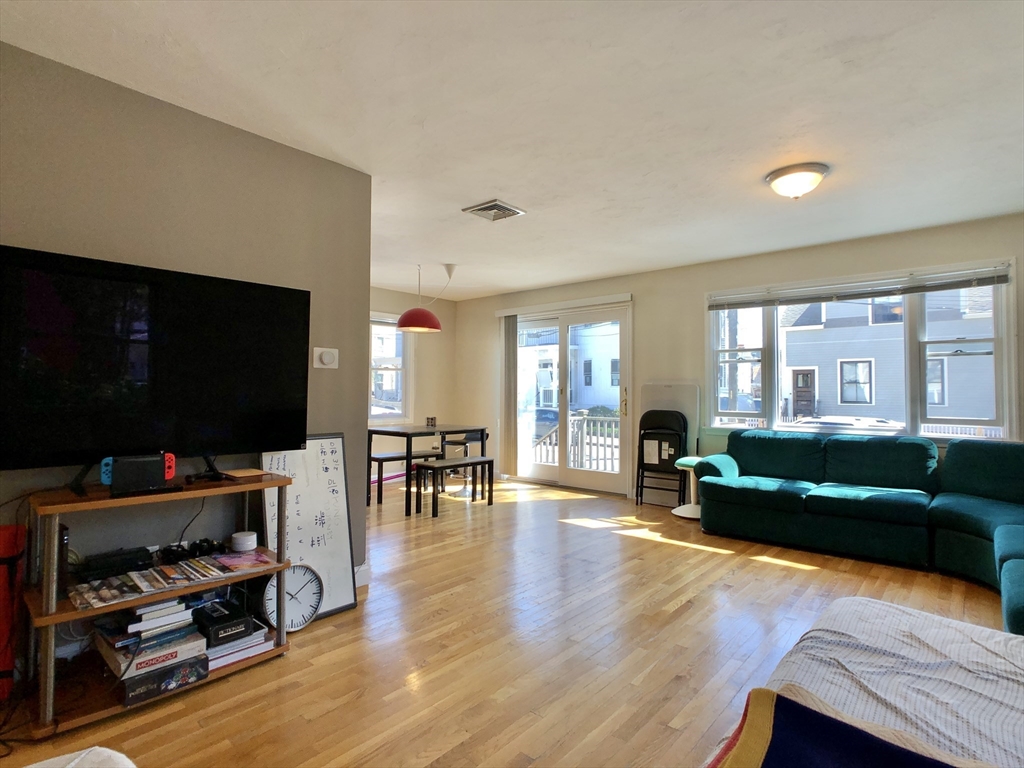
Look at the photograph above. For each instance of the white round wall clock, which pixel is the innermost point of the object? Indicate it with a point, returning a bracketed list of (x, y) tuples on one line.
[(304, 592)]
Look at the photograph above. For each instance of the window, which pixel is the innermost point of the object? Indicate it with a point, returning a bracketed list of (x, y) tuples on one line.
[(588, 373), (935, 382), (926, 358), (958, 345), (855, 376), (387, 371), (886, 309), (739, 342), (615, 373)]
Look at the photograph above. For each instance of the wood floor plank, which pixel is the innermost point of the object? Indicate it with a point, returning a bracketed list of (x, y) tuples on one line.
[(522, 635)]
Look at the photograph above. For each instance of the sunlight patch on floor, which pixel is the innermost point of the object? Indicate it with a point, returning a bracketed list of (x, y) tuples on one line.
[(648, 535), (587, 522), (787, 563), (537, 493), (628, 520)]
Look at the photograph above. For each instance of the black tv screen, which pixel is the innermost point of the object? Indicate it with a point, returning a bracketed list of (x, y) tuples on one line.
[(103, 359)]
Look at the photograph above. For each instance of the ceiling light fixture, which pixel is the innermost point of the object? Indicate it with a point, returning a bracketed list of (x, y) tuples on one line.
[(797, 180), (419, 319)]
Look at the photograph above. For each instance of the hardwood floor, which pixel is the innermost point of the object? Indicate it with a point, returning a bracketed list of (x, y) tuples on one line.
[(552, 629)]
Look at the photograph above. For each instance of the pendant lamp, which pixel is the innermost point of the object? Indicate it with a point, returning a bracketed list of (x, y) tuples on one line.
[(419, 319)]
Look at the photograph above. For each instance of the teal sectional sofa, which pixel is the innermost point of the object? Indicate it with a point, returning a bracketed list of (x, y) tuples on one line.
[(858, 495), (881, 498)]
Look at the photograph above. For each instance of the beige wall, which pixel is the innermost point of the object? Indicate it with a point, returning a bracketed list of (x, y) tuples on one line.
[(433, 366), (93, 169), (669, 305)]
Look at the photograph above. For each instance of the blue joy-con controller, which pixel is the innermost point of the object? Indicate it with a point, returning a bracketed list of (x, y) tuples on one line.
[(107, 470)]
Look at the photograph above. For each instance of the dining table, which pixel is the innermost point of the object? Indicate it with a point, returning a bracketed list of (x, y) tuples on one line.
[(409, 432)]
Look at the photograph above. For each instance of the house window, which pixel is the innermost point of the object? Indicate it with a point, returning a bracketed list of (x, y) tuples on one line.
[(738, 347), (588, 373), (388, 367), (958, 345), (855, 382), (926, 362), (615, 373), (935, 381), (886, 309)]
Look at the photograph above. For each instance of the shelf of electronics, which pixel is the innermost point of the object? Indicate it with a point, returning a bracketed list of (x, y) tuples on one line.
[(101, 699)]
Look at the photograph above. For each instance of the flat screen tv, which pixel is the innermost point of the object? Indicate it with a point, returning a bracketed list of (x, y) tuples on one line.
[(103, 359)]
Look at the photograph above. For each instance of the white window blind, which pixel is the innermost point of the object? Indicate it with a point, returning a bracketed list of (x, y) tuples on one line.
[(970, 276)]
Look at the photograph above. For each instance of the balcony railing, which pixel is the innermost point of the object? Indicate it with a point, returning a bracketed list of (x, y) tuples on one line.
[(593, 444)]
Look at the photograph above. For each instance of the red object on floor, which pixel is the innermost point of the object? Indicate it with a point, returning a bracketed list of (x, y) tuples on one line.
[(12, 571)]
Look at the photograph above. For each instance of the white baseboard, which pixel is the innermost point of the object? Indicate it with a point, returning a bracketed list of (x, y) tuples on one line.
[(362, 575)]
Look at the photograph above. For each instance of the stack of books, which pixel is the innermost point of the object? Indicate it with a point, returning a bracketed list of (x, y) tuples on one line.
[(152, 649), (231, 633), (260, 641)]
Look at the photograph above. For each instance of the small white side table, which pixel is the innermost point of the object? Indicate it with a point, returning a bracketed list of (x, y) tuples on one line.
[(689, 511)]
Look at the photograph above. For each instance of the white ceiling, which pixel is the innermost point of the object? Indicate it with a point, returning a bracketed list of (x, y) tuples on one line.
[(635, 134)]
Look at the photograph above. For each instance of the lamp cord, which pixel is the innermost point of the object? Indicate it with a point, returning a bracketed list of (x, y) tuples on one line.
[(419, 287)]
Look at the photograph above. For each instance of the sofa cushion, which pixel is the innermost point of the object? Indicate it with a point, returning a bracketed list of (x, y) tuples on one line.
[(886, 505), (1009, 545), (882, 462), (994, 470), (753, 491), (972, 514), (1011, 588), (789, 455)]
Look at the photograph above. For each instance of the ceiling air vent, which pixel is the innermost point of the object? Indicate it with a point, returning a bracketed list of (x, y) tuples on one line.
[(493, 210)]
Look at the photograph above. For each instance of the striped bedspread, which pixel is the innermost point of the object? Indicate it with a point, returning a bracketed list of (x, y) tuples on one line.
[(954, 685)]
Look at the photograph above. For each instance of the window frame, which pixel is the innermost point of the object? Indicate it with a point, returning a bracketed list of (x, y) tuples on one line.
[(842, 382), (1002, 361), (406, 371), (766, 350), (1006, 360), (588, 373), (614, 375)]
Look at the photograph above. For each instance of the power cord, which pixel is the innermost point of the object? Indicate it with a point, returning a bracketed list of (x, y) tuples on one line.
[(182, 537)]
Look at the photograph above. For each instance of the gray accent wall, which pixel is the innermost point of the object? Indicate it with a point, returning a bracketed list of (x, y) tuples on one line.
[(97, 170)]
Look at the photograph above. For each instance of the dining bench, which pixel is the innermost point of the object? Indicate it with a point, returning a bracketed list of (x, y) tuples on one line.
[(437, 469), (388, 458)]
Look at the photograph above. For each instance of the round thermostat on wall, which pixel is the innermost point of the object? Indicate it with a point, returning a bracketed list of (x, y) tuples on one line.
[(325, 357)]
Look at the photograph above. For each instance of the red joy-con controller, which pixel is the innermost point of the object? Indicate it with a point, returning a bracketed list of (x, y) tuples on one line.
[(168, 466)]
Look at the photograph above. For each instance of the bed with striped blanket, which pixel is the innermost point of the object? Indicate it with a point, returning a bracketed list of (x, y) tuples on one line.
[(952, 685)]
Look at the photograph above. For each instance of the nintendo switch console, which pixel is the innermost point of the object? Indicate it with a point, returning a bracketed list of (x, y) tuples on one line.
[(138, 474)]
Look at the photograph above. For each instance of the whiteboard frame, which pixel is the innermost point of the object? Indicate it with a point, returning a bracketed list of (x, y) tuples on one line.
[(348, 519)]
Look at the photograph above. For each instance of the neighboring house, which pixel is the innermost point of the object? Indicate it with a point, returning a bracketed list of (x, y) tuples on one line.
[(847, 358), (593, 367)]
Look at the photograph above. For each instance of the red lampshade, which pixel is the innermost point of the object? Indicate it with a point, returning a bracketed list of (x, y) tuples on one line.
[(419, 320)]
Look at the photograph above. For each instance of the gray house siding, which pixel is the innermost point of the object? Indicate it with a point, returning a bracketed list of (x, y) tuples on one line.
[(817, 338), (823, 349)]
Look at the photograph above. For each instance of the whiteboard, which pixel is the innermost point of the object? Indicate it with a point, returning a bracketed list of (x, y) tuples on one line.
[(318, 531)]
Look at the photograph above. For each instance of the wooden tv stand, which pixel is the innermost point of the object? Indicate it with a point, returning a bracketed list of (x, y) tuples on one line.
[(47, 609)]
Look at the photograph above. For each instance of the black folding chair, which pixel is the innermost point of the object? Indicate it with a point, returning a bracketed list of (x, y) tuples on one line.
[(665, 433)]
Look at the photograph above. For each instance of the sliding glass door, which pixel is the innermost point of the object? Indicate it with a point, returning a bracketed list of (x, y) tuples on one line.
[(571, 398)]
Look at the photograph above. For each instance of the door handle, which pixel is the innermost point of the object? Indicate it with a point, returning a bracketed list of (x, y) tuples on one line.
[(623, 405)]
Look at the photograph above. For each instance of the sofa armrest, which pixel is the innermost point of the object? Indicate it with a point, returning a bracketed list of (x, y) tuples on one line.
[(718, 465)]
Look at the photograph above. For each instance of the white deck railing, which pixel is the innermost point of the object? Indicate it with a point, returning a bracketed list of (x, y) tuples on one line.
[(593, 444)]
